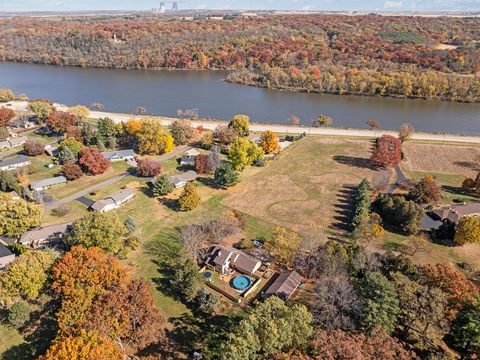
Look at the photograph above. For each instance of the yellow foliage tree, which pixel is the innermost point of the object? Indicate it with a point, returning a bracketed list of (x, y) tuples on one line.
[(269, 142), (284, 245), (17, 216), (80, 111)]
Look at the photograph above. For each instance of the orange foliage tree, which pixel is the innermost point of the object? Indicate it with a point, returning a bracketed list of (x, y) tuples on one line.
[(387, 151), (92, 161), (269, 142), (59, 121)]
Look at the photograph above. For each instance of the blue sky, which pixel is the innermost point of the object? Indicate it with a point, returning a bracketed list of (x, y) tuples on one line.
[(72, 5)]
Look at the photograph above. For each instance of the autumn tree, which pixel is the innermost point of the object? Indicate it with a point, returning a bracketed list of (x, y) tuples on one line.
[(127, 315), (426, 191), (201, 164), (270, 327), (97, 106), (240, 123), (189, 198), (27, 276), (72, 171), (85, 345), (322, 120), (181, 131), (403, 214), (9, 182), (80, 111), (405, 132), (374, 124), (33, 147), (243, 152), (153, 140), (75, 132), (161, 185), (269, 142), (224, 134), (148, 167), (283, 245), (6, 116), (79, 277), (468, 230), (387, 151), (59, 121), (92, 161), (97, 229), (17, 216), (294, 120), (42, 109), (6, 95), (225, 175), (74, 147)]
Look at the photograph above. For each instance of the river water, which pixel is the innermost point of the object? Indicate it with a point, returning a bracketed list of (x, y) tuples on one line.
[(163, 92)]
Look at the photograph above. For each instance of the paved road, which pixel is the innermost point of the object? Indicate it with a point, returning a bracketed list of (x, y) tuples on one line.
[(211, 125), (55, 204)]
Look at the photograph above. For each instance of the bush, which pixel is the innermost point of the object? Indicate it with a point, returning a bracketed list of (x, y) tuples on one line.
[(6, 95), (19, 313), (33, 148), (6, 116), (61, 211), (148, 167)]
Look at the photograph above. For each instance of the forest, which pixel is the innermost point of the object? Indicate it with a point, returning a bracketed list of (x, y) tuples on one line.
[(428, 58)]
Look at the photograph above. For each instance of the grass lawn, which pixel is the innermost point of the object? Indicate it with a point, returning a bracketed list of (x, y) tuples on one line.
[(8, 338)]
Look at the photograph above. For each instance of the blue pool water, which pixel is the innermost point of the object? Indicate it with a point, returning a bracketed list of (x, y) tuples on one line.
[(241, 282)]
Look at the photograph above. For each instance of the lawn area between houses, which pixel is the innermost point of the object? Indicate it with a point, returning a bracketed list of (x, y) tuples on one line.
[(8, 338)]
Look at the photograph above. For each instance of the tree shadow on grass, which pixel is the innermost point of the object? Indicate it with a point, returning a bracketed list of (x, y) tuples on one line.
[(358, 162), (172, 204), (208, 181), (344, 208), (468, 165)]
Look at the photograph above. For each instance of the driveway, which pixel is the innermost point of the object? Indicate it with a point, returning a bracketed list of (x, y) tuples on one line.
[(400, 179)]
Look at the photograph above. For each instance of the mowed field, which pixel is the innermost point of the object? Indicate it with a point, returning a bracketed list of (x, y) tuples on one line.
[(308, 186)]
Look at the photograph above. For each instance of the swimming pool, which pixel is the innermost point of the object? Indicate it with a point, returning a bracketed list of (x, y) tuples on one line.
[(241, 282)]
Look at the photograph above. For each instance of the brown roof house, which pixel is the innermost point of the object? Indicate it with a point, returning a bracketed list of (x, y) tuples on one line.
[(45, 235), (6, 256), (455, 212), (114, 201), (223, 259), (285, 285)]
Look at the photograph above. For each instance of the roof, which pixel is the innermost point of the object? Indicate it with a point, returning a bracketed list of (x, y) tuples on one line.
[(237, 258), (17, 141), (48, 182), (4, 251), (188, 160), (192, 152), (455, 212), (18, 160), (246, 263), (285, 285), (44, 232), (119, 154), (184, 177), (99, 205), (122, 195)]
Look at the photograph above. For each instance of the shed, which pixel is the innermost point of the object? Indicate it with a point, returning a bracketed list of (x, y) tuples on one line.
[(46, 183), (285, 285)]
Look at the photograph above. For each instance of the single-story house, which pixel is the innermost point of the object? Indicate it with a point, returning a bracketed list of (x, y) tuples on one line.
[(46, 183), (45, 234), (284, 285), (17, 141), (5, 144), (6, 256), (120, 155), (52, 151), (455, 212), (113, 202), (189, 157), (181, 180), (223, 259), (13, 164)]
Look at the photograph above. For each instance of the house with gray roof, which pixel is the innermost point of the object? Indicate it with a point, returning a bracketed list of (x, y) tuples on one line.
[(46, 183), (17, 141), (284, 285), (181, 180), (6, 256), (455, 212), (223, 259), (120, 155), (13, 164), (189, 157), (113, 202), (45, 235), (53, 151)]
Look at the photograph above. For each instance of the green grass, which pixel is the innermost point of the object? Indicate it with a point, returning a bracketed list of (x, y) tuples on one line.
[(8, 338)]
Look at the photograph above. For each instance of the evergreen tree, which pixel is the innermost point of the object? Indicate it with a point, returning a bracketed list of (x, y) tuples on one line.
[(161, 185), (225, 175)]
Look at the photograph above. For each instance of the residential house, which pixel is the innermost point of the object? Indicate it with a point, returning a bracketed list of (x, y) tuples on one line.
[(113, 202), (189, 157), (17, 141), (284, 285), (455, 212), (6, 256), (181, 180), (225, 259), (120, 155), (13, 164), (45, 235), (52, 151), (5, 144), (47, 183)]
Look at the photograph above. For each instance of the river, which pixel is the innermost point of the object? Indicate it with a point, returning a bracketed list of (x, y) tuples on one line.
[(163, 92)]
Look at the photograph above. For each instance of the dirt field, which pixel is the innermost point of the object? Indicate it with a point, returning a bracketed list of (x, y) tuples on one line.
[(308, 186), (461, 160)]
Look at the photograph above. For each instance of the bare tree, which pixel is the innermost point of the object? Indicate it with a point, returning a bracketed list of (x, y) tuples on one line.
[(192, 238), (141, 110), (294, 120), (381, 180), (213, 158), (97, 106), (405, 132)]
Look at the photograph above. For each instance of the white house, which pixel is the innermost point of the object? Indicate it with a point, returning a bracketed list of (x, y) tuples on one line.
[(223, 258), (113, 202), (46, 183), (13, 164), (189, 157), (120, 155), (181, 180)]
